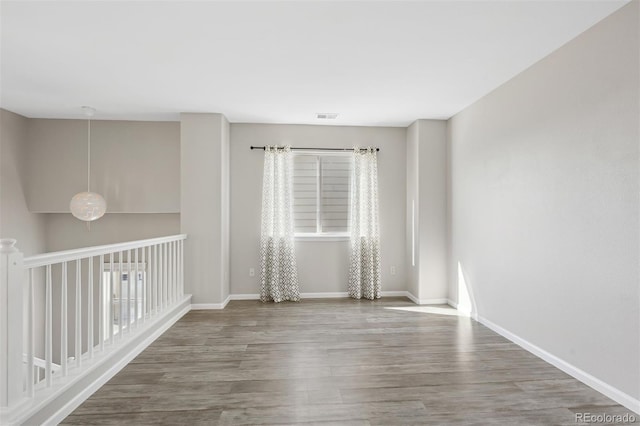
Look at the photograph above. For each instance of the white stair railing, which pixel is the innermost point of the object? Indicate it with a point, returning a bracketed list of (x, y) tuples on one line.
[(77, 304), (39, 368)]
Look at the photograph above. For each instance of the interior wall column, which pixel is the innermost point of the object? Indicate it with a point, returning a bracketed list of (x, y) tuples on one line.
[(427, 211), (204, 212)]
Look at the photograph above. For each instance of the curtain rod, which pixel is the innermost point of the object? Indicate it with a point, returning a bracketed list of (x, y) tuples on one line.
[(317, 149)]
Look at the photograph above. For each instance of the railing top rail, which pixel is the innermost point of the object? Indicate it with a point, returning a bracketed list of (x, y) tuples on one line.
[(83, 253)]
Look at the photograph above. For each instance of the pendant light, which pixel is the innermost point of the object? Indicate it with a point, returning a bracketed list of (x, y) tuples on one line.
[(88, 206)]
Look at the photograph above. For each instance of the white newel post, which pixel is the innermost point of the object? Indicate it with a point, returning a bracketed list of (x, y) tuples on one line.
[(11, 285)]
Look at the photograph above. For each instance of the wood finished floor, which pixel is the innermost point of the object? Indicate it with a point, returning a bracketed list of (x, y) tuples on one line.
[(337, 361)]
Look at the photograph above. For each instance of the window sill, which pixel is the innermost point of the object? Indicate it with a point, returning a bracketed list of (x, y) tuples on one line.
[(321, 237)]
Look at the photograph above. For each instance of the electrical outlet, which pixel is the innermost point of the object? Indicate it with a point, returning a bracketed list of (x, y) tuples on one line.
[(252, 272), (393, 270)]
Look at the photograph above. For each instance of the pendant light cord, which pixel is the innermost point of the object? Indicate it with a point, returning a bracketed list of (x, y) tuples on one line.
[(89, 156)]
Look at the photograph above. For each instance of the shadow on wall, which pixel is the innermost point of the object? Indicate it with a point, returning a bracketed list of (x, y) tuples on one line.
[(466, 301)]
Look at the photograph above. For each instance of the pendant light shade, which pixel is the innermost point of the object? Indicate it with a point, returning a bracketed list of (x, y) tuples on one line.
[(88, 206)]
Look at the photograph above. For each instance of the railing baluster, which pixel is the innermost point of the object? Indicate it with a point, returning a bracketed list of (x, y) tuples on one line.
[(30, 336), (170, 267), (144, 284), (64, 326), (149, 269), (48, 352), (90, 307), (128, 291), (165, 286), (135, 290), (178, 273), (157, 278), (167, 262), (154, 284), (101, 311), (160, 283), (159, 269), (149, 276), (121, 317), (160, 278), (175, 270), (78, 344), (181, 268), (111, 304)]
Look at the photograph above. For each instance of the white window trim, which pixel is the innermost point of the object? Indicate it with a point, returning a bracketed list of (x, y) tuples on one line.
[(327, 237)]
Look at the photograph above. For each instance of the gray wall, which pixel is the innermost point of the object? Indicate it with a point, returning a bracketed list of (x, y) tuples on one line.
[(16, 221), (135, 165), (544, 203), (64, 232), (322, 265)]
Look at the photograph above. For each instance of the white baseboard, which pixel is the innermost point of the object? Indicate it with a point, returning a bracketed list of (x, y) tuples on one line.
[(254, 296), (57, 403), (417, 301), (413, 298), (321, 295), (401, 293), (604, 388), (245, 296), (205, 306), (226, 301), (324, 295)]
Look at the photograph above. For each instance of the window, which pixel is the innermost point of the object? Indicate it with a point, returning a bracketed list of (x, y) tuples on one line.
[(321, 194), (124, 294)]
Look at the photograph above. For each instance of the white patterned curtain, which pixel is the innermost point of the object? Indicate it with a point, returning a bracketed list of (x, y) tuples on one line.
[(364, 267), (279, 272)]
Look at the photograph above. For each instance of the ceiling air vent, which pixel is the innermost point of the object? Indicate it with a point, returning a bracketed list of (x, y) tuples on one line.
[(326, 115)]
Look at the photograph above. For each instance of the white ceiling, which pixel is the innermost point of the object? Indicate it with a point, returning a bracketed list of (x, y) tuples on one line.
[(373, 62)]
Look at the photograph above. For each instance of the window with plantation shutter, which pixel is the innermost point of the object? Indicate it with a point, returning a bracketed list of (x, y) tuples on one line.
[(321, 194)]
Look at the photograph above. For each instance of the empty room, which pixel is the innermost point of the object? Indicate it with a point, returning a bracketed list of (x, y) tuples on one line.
[(333, 212)]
